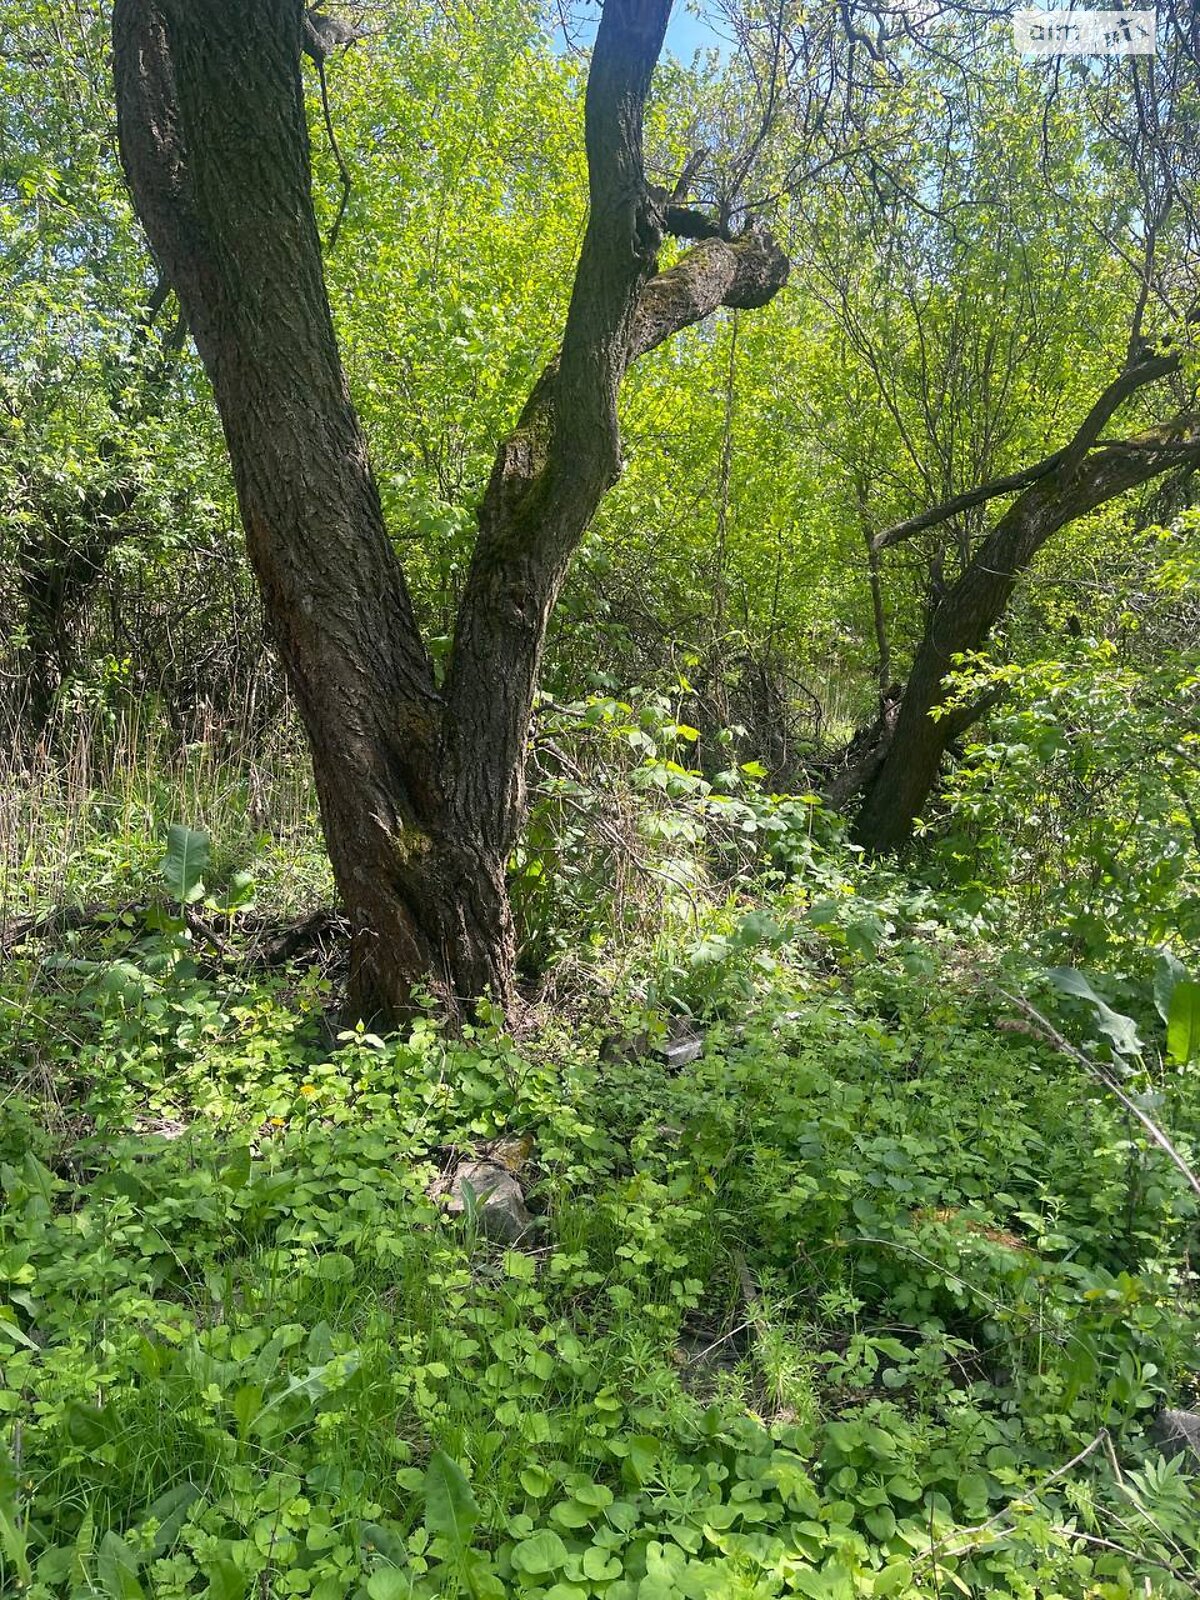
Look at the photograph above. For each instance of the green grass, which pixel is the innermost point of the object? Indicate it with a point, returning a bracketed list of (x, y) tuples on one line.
[(83, 818)]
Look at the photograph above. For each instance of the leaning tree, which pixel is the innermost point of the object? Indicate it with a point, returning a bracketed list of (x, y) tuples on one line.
[(1143, 114), (904, 753), (421, 784)]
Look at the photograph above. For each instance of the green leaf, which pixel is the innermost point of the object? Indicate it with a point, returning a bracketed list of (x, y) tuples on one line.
[(757, 927), (309, 1386), (536, 1482), (184, 863), (87, 1426), (170, 1511), (386, 1541), (1119, 1029), (236, 1173), (389, 1583), (335, 1267), (12, 1535), (238, 894), (116, 1569), (81, 1555), (247, 1403), (544, 1552), (571, 1514), (814, 1584), (225, 1582), (18, 1335), (644, 1451), (600, 1565), (894, 1577), (481, 1579), (1183, 1023), (451, 1510), (901, 1488), (39, 1180), (881, 1521), (1168, 971)]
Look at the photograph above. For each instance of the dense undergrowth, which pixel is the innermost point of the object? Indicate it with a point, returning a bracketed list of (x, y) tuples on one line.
[(879, 1296)]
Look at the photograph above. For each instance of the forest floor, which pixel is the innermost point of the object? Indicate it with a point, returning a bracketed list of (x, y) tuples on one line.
[(878, 1295)]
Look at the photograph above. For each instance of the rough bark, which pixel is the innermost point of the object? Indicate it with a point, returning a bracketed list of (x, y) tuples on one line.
[(536, 509), (1082, 480), (421, 792)]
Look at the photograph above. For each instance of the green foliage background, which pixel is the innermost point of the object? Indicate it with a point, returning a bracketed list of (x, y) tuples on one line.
[(880, 1295)]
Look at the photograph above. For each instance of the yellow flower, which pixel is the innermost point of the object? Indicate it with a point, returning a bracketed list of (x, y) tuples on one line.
[(308, 1090), (278, 1122)]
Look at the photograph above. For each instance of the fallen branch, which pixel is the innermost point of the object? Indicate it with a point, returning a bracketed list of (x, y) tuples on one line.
[(314, 932), (203, 931), (272, 945), (62, 919)]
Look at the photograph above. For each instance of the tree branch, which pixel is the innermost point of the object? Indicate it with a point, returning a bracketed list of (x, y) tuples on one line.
[(685, 222), (969, 610), (620, 245), (1087, 435), (741, 273), (1012, 483), (551, 473)]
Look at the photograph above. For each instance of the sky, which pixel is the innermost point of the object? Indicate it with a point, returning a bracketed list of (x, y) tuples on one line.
[(686, 32)]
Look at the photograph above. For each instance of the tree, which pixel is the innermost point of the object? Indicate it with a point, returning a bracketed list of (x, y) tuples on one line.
[(88, 370), (68, 539), (1147, 222), (421, 786), (906, 756)]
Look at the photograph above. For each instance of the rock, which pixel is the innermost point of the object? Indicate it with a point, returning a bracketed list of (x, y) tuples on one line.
[(684, 1044), (510, 1151), (1177, 1433), (499, 1203), (618, 1049)]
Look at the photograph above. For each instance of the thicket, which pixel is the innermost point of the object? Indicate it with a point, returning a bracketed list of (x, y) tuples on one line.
[(861, 1191)]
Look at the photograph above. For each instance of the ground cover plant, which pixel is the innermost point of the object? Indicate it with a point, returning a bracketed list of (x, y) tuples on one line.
[(599, 825), (879, 1295)]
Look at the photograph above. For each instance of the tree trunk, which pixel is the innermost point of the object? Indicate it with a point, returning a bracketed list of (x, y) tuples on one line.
[(1077, 484), (214, 138), (421, 792)]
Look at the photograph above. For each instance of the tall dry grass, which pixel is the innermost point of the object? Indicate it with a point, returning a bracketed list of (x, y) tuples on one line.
[(84, 812)]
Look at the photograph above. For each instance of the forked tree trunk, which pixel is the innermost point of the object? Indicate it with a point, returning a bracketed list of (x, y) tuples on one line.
[(421, 790), (1079, 480)]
